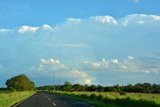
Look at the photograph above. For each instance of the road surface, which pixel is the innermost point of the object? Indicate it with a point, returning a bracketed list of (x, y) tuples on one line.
[(43, 99)]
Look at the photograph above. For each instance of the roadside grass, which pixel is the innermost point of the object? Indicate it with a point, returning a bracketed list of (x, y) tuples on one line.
[(7, 99), (113, 99)]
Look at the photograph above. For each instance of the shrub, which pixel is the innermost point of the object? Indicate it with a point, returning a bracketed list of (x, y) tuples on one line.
[(100, 97), (92, 96)]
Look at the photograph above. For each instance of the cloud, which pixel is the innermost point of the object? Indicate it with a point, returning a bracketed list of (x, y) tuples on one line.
[(140, 22), (50, 64), (104, 65), (46, 26), (85, 40), (4, 30), (130, 57), (53, 67), (156, 18), (129, 70), (105, 20), (25, 28), (125, 22), (140, 19), (130, 64), (83, 77), (74, 20)]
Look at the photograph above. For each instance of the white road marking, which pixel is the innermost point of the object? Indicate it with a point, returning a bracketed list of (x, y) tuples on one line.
[(54, 104), (49, 99)]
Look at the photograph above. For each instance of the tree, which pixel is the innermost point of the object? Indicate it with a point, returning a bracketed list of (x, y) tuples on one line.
[(78, 87), (67, 86), (100, 88), (20, 83), (116, 88), (93, 88)]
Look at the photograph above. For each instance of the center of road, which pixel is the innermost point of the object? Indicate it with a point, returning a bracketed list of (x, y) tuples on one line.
[(54, 104)]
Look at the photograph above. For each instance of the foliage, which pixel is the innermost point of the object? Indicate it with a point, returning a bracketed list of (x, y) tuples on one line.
[(137, 88), (67, 86), (78, 87), (20, 83)]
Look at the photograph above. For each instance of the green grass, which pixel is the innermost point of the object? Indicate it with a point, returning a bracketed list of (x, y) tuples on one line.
[(7, 99), (113, 99), (135, 96)]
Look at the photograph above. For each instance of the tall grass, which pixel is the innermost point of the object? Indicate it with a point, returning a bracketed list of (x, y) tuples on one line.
[(7, 99), (113, 99)]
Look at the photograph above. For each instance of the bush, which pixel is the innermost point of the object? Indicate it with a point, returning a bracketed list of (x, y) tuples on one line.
[(83, 96), (100, 97), (92, 96)]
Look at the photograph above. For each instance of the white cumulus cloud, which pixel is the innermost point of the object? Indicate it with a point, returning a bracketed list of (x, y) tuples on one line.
[(50, 67), (24, 29), (105, 20), (130, 64), (140, 19), (84, 40), (46, 26)]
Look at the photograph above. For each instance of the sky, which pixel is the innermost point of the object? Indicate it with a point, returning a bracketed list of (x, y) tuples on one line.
[(103, 42)]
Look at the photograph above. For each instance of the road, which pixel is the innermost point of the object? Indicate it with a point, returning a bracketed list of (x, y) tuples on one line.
[(43, 99)]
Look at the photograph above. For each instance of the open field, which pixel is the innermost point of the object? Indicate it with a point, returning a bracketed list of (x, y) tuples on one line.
[(7, 99), (113, 99)]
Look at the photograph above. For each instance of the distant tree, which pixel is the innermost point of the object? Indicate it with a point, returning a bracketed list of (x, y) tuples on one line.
[(20, 83), (128, 88), (100, 88), (78, 87), (147, 88), (116, 88), (108, 88), (86, 87), (67, 86), (138, 88), (156, 88), (92, 88)]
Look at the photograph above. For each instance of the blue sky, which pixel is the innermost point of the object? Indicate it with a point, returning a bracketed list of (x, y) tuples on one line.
[(87, 41)]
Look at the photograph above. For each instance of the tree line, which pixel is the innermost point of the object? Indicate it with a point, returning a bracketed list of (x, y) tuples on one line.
[(22, 82), (137, 88)]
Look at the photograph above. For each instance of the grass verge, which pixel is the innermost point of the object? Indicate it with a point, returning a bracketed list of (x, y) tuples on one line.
[(107, 99), (7, 99)]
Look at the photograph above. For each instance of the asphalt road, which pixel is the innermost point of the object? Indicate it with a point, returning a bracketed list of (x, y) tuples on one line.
[(43, 99)]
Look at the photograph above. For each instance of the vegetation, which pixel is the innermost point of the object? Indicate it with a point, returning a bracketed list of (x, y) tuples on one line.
[(137, 88), (20, 83), (138, 95), (10, 98), (18, 88), (114, 99)]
